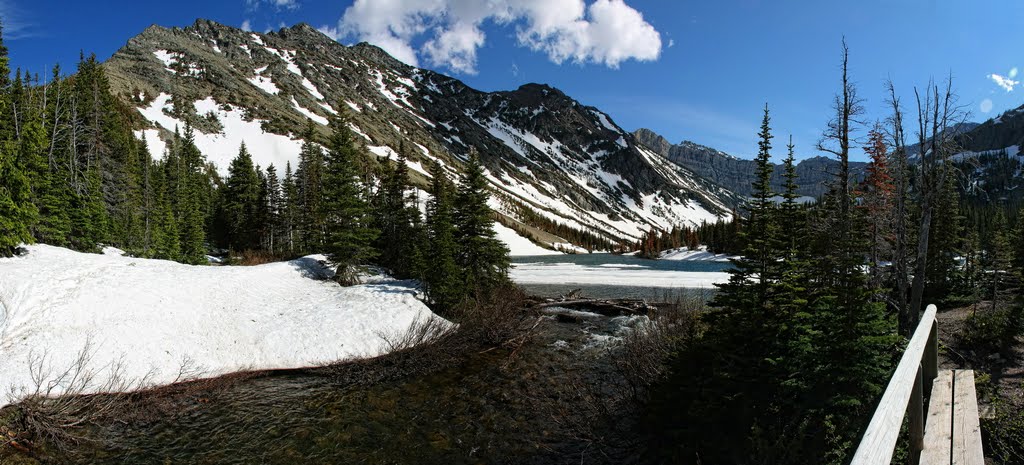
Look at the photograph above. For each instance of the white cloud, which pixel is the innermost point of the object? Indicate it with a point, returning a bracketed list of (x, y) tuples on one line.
[(986, 105), (15, 25), (606, 32), (1005, 82), (1013, 72), (279, 4), (247, 26), (331, 32)]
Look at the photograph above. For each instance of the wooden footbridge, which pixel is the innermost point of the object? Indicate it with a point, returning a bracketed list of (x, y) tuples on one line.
[(948, 432)]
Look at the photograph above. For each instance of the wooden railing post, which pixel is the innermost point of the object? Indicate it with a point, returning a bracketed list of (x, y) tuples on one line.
[(915, 408)]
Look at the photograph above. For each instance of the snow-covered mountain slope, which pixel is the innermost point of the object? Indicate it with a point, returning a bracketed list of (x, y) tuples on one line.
[(547, 155), (149, 317)]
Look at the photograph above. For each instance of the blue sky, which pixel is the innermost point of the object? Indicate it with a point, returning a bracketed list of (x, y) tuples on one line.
[(694, 70)]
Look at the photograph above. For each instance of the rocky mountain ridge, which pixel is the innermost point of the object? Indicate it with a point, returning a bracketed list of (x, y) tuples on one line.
[(546, 154), (737, 174)]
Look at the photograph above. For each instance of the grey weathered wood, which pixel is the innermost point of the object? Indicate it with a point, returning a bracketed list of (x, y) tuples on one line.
[(966, 429), (915, 411), (879, 441), (930, 362), (938, 433)]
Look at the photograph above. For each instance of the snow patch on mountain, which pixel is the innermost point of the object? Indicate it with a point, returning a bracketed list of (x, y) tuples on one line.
[(220, 148), (519, 246), (264, 83), (309, 114)]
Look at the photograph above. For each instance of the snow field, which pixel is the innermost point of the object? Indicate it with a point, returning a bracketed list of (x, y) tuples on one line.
[(152, 315)]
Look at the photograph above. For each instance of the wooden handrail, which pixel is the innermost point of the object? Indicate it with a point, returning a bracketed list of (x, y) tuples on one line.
[(904, 395)]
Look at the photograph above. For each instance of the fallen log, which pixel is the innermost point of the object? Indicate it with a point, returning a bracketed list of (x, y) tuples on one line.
[(603, 307)]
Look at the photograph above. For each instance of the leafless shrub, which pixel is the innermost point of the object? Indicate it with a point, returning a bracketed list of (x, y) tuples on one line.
[(257, 257), (644, 351), (422, 332), (63, 400), (495, 319)]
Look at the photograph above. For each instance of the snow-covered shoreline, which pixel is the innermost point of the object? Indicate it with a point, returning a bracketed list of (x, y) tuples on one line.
[(153, 315)]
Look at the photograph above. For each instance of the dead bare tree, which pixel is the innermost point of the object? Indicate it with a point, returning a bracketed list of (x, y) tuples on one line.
[(938, 114), (900, 174)]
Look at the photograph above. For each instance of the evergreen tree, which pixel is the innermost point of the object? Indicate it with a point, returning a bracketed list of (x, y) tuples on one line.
[(346, 213), (191, 200), (944, 242), (241, 202), (290, 211), (877, 199), (166, 242), (852, 333), (482, 256), (311, 218), (17, 212), (444, 284), (275, 208), (396, 220)]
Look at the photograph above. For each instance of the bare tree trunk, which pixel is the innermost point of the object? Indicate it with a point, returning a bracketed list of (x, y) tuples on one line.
[(900, 265), (936, 116), (917, 289)]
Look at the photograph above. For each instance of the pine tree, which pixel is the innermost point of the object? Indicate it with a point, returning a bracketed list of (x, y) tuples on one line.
[(483, 257), (290, 210), (347, 216), (192, 201), (311, 219), (852, 333), (17, 212), (166, 242), (396, 220), (241, 202), (746, 326), (275, 209), (444, 284), (877, 199)]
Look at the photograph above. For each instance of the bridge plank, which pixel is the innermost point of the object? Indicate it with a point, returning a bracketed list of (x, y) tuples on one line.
[(966, 429), (938, 431)]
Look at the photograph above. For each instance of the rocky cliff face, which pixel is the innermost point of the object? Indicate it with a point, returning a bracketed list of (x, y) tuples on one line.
[(544, 151), (736, 174)]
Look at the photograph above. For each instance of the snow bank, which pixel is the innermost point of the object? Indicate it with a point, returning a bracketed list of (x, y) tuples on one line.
[(153, 314), (571, 273)]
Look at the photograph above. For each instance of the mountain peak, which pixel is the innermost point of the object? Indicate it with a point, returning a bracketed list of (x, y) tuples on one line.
[(547, 155)]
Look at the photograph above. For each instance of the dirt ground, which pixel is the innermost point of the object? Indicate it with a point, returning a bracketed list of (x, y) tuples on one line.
[(1006, 373)]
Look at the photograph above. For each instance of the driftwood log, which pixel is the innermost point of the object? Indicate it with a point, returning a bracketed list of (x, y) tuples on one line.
[(613, 307)]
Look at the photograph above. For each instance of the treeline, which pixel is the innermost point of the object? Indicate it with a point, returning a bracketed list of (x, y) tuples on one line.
[(721, 237), (800, 342), (73, 174), (582, 238)]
